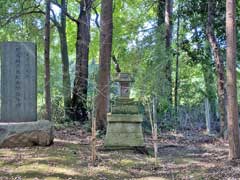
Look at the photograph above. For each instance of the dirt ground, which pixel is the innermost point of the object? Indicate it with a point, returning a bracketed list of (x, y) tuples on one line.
[(182, 155)]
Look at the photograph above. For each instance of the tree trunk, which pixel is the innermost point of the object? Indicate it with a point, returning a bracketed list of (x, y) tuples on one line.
[(155, 132), (207, 116), (219, 67), (160, 12), (232, 105), (65, 60), (79, 99), (168, 27), (177, 72), (104, 63), (47, 61)]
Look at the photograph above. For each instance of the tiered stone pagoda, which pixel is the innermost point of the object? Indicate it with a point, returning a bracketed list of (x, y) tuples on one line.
[(124, 128)]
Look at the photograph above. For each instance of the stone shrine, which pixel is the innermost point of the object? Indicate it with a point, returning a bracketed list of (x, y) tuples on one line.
[(124, 128), (18, 122)]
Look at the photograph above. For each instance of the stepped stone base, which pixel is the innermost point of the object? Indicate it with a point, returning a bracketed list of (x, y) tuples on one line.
[(124, 130), (26, 134)]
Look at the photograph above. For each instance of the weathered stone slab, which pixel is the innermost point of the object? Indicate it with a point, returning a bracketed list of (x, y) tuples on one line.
[(130, 118), (18, 82), (25, 134), (119, 127), (124, 140), (125, 109)]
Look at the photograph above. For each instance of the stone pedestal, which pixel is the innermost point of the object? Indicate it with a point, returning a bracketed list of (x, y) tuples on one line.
[(124, 130), (124, 123)]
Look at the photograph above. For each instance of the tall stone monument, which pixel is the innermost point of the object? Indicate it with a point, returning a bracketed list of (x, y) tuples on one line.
[(124, 128), (18, 122), (18, 82)]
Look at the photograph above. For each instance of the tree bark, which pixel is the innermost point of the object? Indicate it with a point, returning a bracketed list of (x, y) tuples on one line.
[(47, 62), (232, 105), (104, 63), (219, 67), (160, 12), (168, 27), (177, 71), (207, 116), (65, 60), (155, 131), (79, 98)]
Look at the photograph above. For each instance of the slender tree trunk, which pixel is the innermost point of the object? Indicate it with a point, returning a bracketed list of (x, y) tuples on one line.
[(79, 99), (155, 133), (232, 105), (168, 26), (104, 63), (47, 61), (65, 60), (207, 115), (177, 71), (219, 66)]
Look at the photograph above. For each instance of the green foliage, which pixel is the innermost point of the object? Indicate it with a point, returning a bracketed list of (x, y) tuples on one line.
[(150, 76), (137, 44)]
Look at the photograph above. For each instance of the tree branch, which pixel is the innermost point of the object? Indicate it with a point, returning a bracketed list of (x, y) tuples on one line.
[(97, 16), (54, 19), (117, 67), (66, 13)]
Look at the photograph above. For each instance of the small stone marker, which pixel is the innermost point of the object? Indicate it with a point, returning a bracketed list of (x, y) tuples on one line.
[(18, 123), (124, 128), (18, 82)]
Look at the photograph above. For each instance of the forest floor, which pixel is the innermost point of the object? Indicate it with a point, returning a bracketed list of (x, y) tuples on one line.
[(182, 155)]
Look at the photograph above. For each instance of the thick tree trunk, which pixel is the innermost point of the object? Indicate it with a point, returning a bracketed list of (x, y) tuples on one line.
[(47, 62), (219, 67), (232, 105), (65, 60), (168, 27), (104, 63), (79, 99)]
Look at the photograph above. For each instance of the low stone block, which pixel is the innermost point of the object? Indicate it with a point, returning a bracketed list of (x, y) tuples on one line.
[(124, 118), (25, 134), (125, 109), (124, 131), (115, 139)]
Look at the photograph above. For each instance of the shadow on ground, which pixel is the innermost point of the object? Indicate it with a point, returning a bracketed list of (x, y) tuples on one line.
[(188, 155)]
